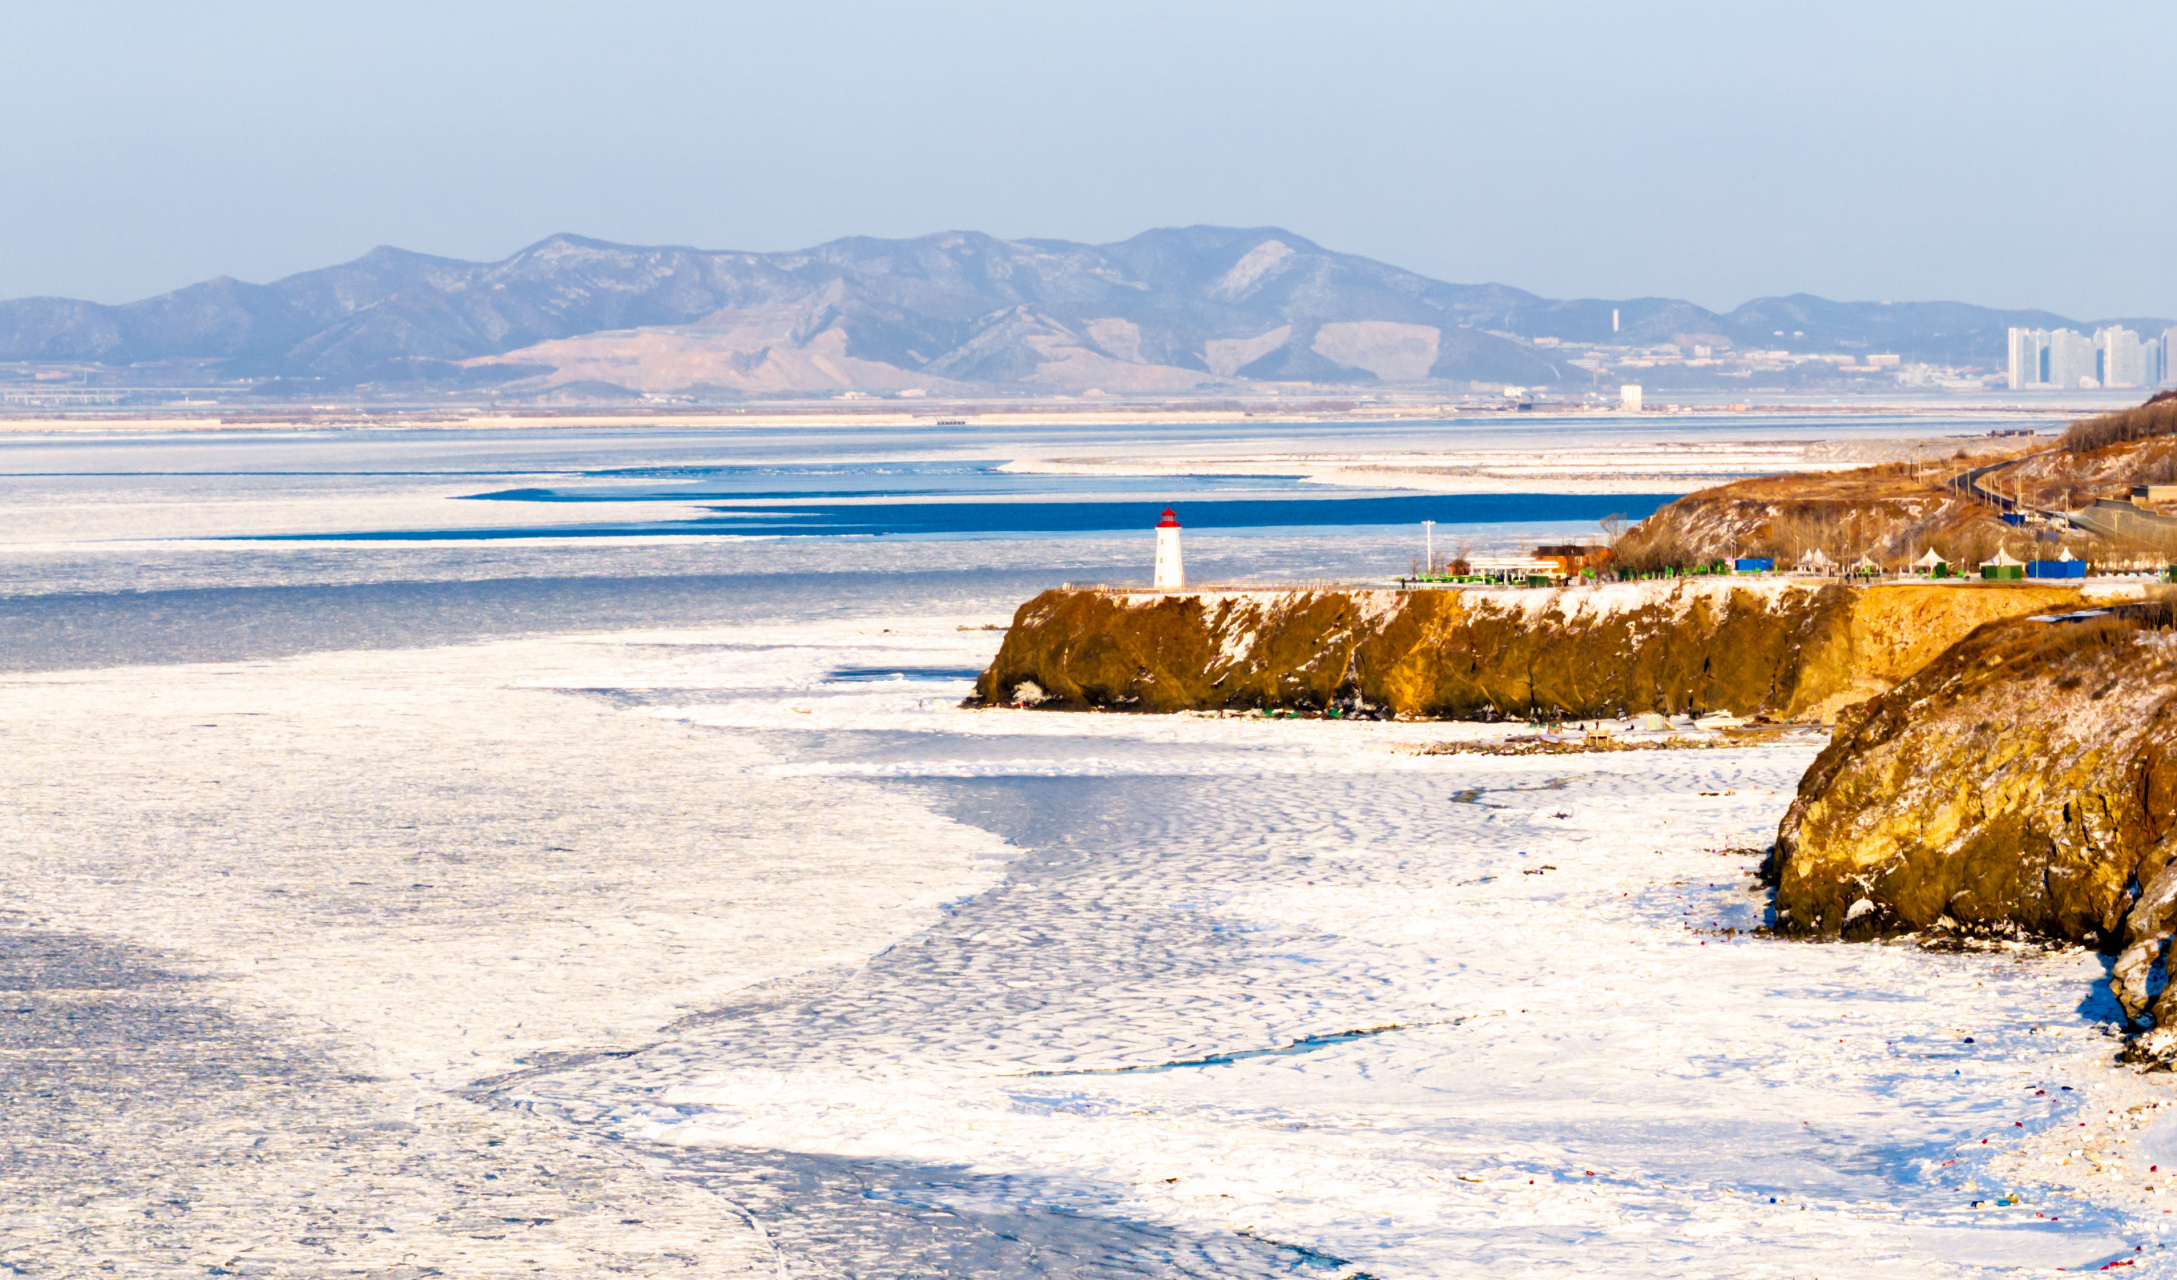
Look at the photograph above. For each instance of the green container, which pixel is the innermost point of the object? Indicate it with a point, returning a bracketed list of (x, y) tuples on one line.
[(2003, 573)]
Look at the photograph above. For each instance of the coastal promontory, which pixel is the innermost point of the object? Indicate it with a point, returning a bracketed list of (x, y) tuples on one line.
[(2024, 781), (1784, 648)]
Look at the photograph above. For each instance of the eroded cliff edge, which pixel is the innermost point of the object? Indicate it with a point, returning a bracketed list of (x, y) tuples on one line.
[(1783, 648)]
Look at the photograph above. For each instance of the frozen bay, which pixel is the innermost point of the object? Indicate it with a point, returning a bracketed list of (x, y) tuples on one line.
[(646, 906)]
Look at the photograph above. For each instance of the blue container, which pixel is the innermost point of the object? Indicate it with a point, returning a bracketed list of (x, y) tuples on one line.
[(2014, 519), (2056, 568), (1761, 565)]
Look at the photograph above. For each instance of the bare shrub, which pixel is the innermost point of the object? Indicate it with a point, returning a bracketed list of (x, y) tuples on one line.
[(1969, 545), (1653, 546), (1842, 532)]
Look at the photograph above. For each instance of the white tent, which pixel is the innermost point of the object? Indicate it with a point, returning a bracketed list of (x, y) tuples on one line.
[(1816, 561), (2003, 560), (1930, 562), (1866, 566), (2065, 554)]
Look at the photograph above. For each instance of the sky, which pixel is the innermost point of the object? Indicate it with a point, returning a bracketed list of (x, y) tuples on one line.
[(2014, 155)]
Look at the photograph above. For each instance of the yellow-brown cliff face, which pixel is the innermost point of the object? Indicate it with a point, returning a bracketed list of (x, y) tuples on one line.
[(1775, 647), (2025, 783), (2021, 782), (2005, 756)]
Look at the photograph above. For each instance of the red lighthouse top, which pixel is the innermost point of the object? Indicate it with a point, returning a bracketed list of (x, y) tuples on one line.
[(1169, 521)]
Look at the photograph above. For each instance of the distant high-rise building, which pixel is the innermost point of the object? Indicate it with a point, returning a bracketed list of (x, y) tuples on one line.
[(2029, 358), (2067, 360), (2123, 357), (2071, 360)]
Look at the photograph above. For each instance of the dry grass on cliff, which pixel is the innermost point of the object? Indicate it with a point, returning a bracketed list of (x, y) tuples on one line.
[(1893, 512), (2111, 629), (2066, 479), (1890, 513), (2156, 418)]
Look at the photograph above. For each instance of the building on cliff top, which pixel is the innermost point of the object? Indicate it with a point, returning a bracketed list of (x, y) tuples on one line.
[(1570, 557), (1515, 568)]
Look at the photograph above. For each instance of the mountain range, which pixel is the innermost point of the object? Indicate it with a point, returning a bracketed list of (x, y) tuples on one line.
[(1171, 311)]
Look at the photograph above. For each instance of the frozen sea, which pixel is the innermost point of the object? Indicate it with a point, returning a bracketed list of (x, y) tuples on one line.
[(563, 852)]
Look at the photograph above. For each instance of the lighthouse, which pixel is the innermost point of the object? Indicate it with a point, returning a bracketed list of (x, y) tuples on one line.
[(1169, 578)]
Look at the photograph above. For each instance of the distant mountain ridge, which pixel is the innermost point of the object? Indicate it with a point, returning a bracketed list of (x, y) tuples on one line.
[(1171, 310)]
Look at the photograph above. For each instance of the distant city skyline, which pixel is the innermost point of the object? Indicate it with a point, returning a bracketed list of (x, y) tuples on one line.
[(1580, 151), (2066, 360)]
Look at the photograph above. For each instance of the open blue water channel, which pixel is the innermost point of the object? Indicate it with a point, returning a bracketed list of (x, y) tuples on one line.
[(796, 516)]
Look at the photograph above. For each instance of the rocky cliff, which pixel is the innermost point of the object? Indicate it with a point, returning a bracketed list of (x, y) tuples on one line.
[(2012, 782), (1775, 647), (2024, 782)]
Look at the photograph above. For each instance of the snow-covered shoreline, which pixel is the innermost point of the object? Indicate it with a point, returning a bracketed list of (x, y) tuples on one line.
[(498, 927)]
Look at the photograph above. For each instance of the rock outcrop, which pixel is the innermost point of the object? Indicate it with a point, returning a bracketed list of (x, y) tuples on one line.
[(1776, 647), (2023, 783), (2005, 756)]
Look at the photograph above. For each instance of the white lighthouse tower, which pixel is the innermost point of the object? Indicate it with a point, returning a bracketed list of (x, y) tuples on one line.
[(1169, 577)]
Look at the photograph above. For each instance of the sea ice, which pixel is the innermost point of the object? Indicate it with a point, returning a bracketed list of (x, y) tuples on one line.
[(646, 905)]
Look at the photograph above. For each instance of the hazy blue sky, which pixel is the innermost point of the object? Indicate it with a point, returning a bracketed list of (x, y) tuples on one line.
[(2010, 154)]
